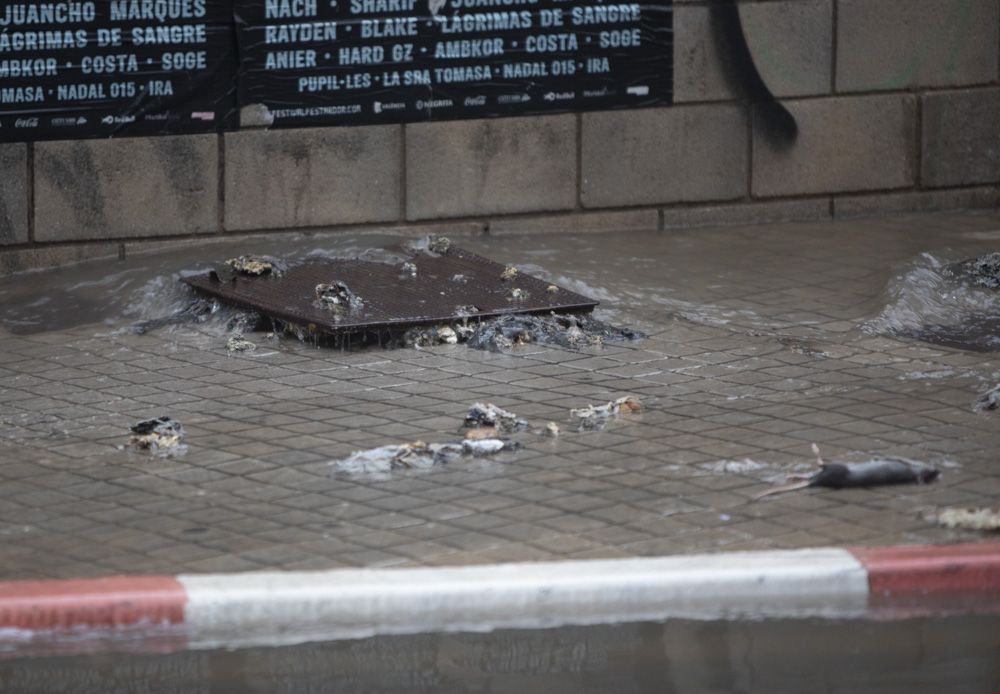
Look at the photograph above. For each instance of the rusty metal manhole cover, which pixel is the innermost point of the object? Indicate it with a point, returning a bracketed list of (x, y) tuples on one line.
[(442, 290)]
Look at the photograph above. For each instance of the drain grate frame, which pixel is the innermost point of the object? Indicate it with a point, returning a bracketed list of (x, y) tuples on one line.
[(393, 300)]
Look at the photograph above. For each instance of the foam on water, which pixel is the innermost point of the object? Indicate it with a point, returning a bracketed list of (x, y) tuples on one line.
[(736, 467)]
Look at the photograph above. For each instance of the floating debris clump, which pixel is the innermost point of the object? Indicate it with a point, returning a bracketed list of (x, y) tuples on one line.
[(337, 296), (509, 273), (969, 518), (438, 244), (990, 400), (161, 436), (416, 455), (408, 269), (257, 265), (551, 429), (197, 311), (431, 244), (489, 416), (438, 335), (238, 343), (565, 330), (596, 416)]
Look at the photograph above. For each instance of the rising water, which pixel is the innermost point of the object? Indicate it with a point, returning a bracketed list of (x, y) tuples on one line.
[(917, 656), (724, 281)]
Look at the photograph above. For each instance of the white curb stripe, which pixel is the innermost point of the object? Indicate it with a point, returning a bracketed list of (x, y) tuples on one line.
[(274, 608)]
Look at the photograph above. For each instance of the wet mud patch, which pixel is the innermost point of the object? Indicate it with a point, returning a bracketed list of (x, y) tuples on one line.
[(256, 266)]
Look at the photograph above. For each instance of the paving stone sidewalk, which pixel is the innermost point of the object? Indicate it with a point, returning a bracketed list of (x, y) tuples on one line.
[(754, 353)]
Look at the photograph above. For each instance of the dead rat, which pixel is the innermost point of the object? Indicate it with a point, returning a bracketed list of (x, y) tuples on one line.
[(870, 473)]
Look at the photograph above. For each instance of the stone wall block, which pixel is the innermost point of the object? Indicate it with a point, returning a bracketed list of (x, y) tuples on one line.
[(485, 167), (13, 193), (312, 177), (961, 138), (101, 189), (652, 156), (844, 144), (898, 44)]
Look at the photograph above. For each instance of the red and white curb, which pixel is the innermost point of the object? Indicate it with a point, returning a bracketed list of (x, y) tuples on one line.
[(274, 608)]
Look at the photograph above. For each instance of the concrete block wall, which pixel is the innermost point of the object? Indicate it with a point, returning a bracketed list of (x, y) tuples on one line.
[(897, 104)]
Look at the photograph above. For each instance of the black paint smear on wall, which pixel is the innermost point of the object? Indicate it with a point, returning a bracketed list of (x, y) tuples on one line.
[(777, 122)]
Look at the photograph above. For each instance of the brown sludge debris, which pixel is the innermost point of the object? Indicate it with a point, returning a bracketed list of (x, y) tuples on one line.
[(490, 417), (161, 436), (969, 518), (238, 343), (595, 416), (990, 400), (479, 434), (256, 266), (337, 296)]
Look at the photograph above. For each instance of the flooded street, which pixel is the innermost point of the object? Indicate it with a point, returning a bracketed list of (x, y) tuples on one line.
[(756, 349), (527, 346), (920, 656)]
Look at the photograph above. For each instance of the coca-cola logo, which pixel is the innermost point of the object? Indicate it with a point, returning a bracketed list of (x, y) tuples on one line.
[(26, 123)]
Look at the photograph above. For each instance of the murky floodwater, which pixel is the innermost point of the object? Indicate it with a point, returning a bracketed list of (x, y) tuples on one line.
[(643, 280), (117, 294), (913, 656)]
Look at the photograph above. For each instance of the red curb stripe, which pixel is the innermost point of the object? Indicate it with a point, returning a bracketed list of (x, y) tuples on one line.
[(96, 602), (915, 570)]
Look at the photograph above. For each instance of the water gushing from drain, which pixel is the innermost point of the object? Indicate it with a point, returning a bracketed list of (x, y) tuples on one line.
[(938, 300)]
